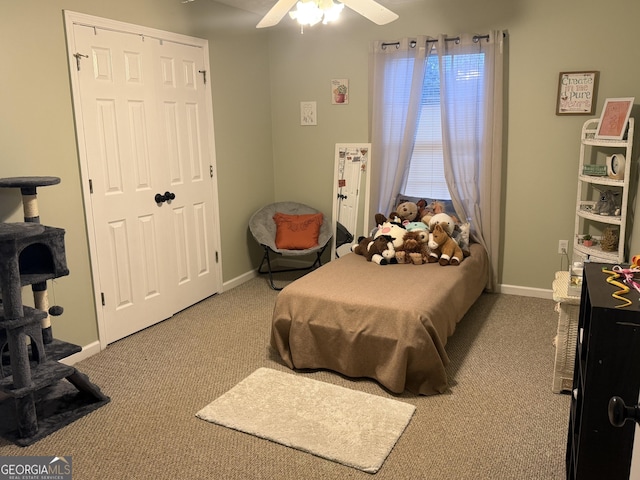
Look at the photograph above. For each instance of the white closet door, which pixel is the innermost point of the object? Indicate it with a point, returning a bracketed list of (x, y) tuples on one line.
[(141, 110), (180, 72)]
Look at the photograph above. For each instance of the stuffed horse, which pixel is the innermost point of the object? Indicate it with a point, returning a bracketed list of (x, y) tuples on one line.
[(444, 249)]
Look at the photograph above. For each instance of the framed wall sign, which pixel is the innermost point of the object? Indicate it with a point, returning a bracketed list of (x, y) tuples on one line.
[(614, 118), (577, 93), (308, 113), (340, 91)]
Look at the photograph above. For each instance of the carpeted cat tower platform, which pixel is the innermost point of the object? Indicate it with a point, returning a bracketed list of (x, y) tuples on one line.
[(38, 394)]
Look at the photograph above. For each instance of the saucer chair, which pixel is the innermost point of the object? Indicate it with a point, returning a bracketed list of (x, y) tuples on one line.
[(290, 229)]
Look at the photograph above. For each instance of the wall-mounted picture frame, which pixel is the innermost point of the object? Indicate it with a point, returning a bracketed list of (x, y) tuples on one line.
[(614, 118), (577, 92), (308, 113), (340, 91)]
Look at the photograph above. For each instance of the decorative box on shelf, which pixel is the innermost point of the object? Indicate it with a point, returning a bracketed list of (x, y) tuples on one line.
[(594, 170), (568, 308)]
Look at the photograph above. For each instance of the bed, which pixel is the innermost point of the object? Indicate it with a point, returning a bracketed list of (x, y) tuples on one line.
[(386, 322)]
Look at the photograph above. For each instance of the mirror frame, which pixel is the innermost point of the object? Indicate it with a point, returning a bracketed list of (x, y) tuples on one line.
[(364, 198)]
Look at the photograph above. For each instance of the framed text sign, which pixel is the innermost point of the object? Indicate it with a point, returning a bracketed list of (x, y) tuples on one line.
[(577, 93)]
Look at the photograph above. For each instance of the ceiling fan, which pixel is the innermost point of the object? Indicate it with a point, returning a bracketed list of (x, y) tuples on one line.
[(367, 8)]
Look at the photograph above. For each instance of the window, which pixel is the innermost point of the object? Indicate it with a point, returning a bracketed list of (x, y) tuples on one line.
[(426, 170)]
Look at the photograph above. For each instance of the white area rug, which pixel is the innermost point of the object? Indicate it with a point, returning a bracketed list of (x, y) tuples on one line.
[(346, 426)]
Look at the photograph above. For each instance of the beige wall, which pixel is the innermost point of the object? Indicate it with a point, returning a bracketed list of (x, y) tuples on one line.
[(259, 78), (545, 38)]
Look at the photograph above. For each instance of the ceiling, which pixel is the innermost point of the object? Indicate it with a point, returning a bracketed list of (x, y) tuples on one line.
[(261, 7), (256, 6)]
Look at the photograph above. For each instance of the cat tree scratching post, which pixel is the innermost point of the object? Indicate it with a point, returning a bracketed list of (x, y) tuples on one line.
[(28, 188), (30, 373), (19, 242)]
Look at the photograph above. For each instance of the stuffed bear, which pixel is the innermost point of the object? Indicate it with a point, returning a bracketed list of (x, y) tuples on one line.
[(413, 248), (404, 213), (444, 249), (378, 250), (407, 211)]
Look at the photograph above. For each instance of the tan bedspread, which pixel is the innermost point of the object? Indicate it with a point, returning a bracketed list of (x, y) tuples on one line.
[(390, 323)]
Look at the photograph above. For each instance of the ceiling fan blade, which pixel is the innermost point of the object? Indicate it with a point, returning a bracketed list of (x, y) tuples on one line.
[(276, 13), (371, 10)]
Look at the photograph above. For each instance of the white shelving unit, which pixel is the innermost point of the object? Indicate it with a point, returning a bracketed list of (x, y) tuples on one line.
[(594, 151)]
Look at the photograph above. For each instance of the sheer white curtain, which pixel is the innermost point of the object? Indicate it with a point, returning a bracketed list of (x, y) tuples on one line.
[(472, 136), (471, 127), (397, 75)]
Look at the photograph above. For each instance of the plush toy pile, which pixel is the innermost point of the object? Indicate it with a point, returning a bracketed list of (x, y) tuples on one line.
[(379, 250), (416, 233)]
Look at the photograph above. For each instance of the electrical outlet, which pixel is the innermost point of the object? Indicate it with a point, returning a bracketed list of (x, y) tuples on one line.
[(563, 247)]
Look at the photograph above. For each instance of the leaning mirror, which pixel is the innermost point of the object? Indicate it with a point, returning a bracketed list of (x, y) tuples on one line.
[(350, 195)]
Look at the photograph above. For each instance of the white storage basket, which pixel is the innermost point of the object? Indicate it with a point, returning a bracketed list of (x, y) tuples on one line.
[(568, 308)]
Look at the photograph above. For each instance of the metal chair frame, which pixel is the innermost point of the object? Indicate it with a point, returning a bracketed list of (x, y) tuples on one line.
[(263, 230), (266, 258)]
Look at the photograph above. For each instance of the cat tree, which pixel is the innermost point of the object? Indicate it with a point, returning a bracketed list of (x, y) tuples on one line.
[(28, 188), (47, 395)]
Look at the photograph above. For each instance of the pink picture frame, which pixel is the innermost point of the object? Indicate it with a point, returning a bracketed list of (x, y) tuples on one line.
[(614, 118)]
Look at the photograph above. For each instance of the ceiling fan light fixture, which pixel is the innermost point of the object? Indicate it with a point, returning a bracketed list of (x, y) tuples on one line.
[(332, 13), (311, 12), (306, 13)]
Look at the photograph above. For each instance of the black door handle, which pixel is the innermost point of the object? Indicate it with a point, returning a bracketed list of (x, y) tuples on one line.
[(619, 412), (159, 198)]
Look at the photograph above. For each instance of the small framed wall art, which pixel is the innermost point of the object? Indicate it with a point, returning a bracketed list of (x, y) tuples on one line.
[(614, 118), (340, 91), (577, 93), (308, 113)]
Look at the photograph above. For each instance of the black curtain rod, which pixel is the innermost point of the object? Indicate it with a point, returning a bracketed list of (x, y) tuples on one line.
[(476, 39)]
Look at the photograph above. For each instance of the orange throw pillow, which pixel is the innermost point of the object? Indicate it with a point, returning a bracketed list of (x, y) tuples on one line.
[(297, 232)]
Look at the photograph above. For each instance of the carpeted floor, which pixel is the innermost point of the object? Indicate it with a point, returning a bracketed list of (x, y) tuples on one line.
[(499, 420)]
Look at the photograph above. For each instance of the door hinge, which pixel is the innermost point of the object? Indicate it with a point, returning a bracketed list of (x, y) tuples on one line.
[(78, 58), (90, 186), (216, 257), (211, 171), (102, 298), (204, 75)]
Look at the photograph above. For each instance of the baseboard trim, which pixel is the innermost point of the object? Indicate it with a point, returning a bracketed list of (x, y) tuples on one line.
[(239, 280), (86, 352), (526, 291)]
